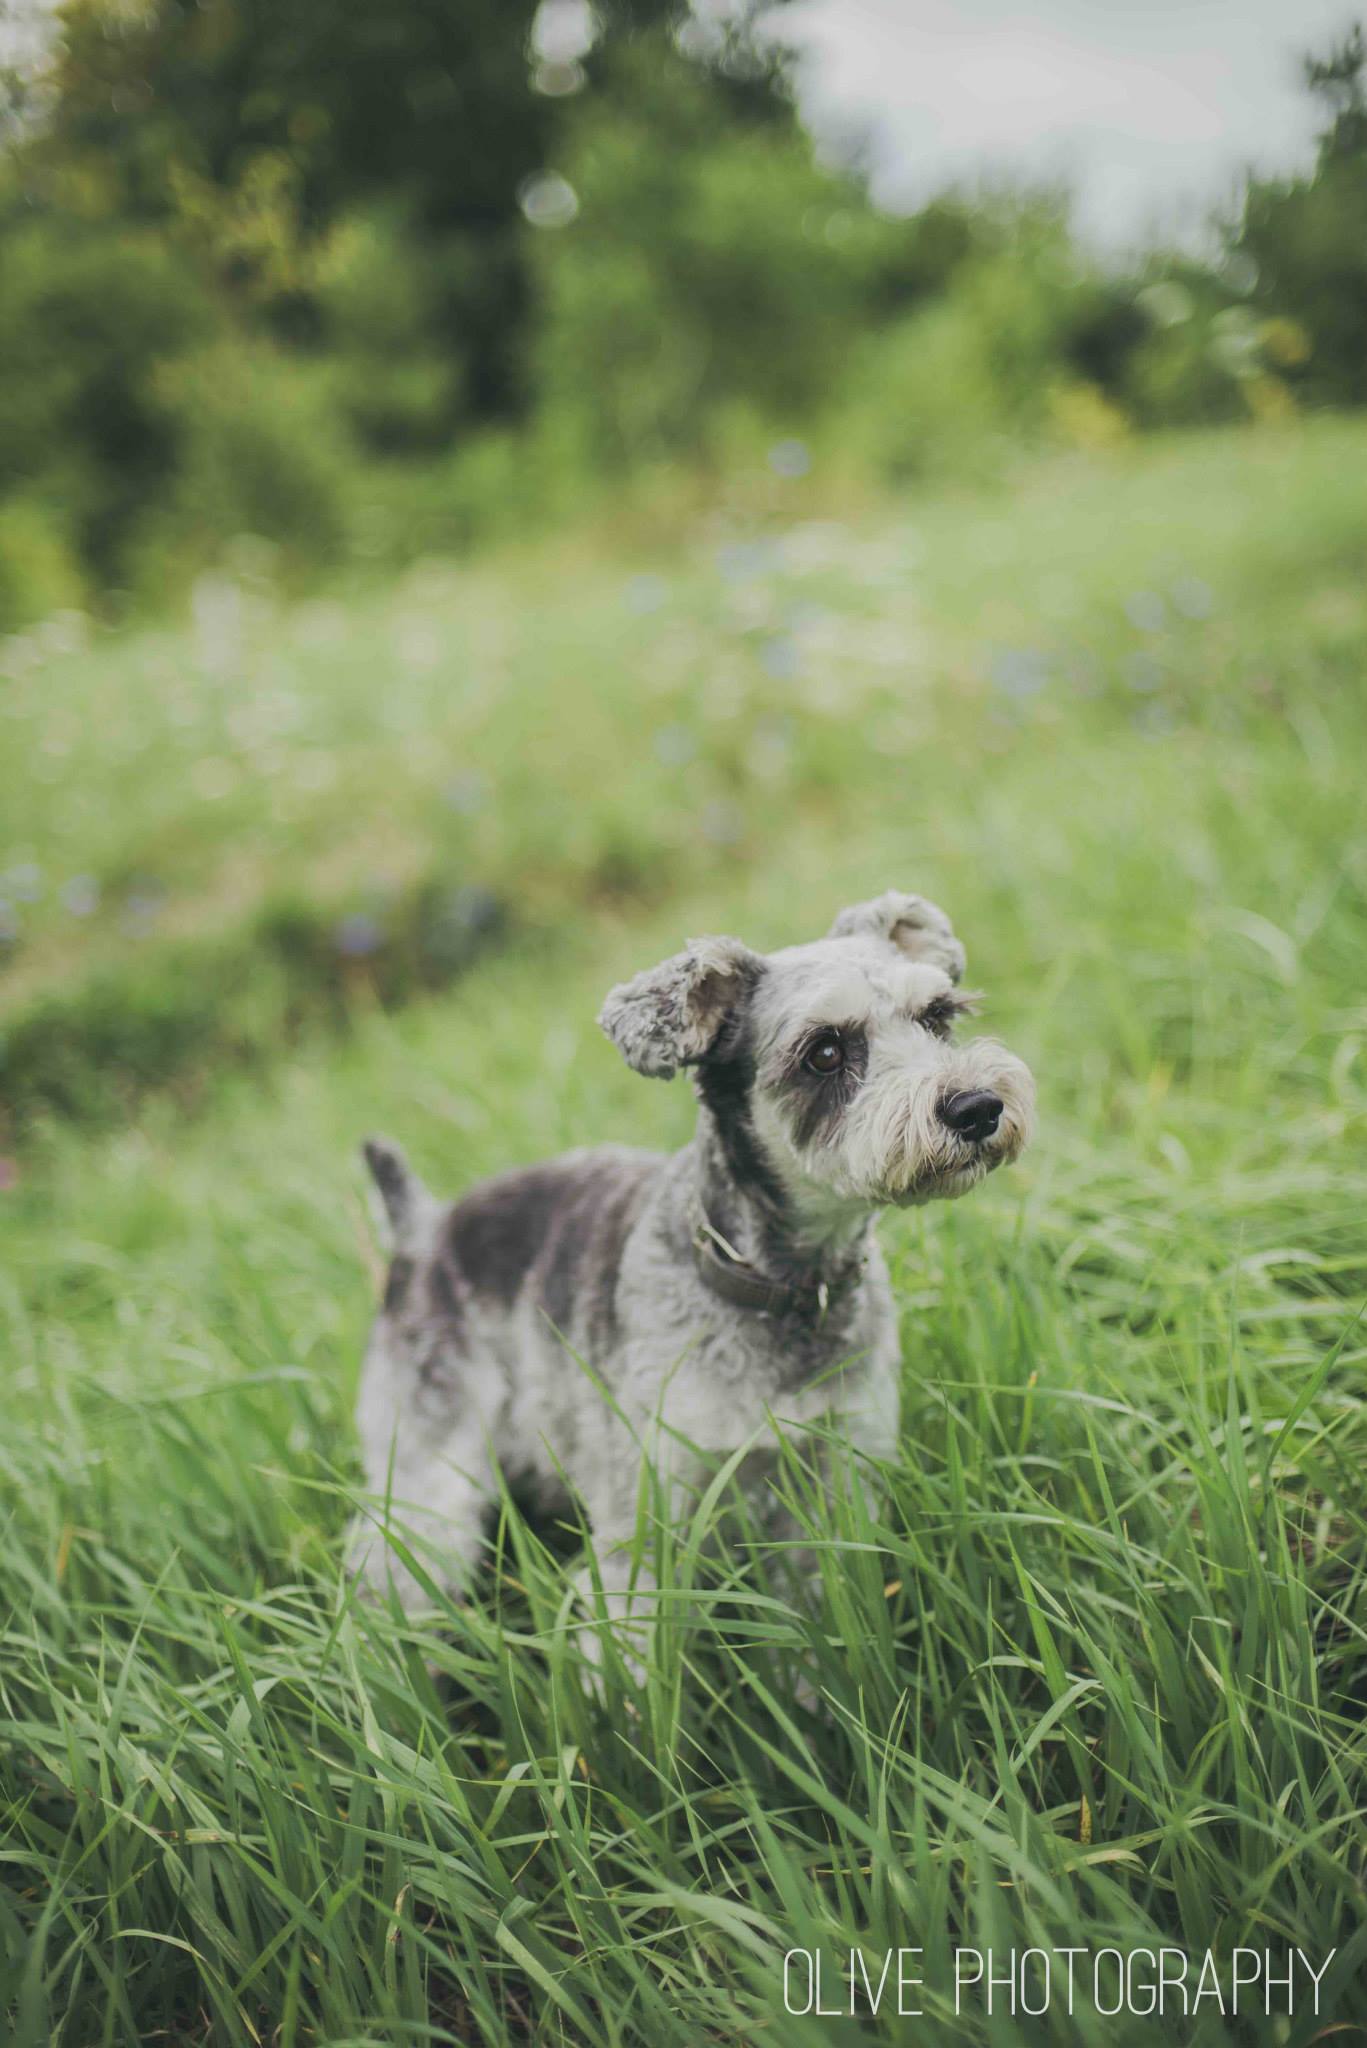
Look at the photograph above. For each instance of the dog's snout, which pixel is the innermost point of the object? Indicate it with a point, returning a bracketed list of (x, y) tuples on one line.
[(974, 1112)]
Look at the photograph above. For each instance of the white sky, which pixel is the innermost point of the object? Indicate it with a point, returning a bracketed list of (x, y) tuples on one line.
[(1150, 108)]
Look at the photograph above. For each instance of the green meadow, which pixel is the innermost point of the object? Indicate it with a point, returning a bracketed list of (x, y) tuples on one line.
[(1091, 1663)]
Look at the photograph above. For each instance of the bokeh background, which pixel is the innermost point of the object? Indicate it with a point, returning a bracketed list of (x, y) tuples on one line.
[(298, 300), (362, 286), (487, 491)]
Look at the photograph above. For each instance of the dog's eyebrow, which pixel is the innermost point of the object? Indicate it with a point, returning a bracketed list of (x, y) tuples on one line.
[(846, 1026), (953, 1002)]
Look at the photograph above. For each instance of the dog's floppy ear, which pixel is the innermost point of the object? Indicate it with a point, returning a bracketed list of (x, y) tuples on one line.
[(673, 1015), (918, 928)]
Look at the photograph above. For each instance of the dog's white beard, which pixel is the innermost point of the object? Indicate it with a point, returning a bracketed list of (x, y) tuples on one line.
[(892, 1146)]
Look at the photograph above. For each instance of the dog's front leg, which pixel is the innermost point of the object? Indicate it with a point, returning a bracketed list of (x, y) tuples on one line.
[(618, 1592), (638, 1502), (846, 1471), (433, 1498), (444, 1533)]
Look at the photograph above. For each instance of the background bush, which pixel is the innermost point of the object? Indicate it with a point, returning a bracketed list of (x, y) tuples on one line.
[(712, 268), (323, 282), (367, 286), (261, 452)]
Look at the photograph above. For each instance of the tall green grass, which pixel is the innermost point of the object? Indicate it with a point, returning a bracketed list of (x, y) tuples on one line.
[(1089, 1665)]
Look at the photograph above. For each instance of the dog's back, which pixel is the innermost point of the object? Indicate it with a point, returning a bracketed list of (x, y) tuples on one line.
[(499, 1310)]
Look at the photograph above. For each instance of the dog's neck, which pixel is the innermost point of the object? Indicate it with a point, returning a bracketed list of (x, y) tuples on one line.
[(796, 1236)]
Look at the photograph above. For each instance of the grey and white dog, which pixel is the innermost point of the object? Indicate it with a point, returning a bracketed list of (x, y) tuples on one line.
[(711, 1292)]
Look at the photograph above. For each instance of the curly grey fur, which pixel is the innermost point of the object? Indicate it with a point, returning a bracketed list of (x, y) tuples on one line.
[(669, 1016), (920, 929), (497, 1303)]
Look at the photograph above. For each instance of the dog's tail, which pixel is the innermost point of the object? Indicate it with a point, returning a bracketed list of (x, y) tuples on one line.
[(408, 1204)]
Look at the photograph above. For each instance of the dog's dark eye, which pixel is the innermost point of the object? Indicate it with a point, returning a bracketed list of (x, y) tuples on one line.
[(939, 1017), (825, 1055)]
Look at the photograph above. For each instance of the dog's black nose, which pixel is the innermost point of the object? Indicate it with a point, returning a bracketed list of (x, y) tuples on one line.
[(973, 1114)]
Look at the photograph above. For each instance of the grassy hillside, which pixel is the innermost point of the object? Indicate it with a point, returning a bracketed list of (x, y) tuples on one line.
[(215, 836), (1094, 1673)]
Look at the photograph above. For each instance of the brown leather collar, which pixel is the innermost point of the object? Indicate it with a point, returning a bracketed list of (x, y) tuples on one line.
[(744, 1286)]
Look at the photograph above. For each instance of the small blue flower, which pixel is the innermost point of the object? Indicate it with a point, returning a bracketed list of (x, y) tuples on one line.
[(779, 656), (81, 895), (358, 934), (142, 906), (1019, 671), (1143, 673), (1192, 597), (24, 881), (1154, 721), (1146, 611), (722, 823), (742, 561), (790, 458), (467, 794), (645, 594), (675, 745)]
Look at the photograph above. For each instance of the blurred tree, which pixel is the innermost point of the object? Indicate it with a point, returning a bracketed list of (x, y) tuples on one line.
[(1306, 240), (261, 257), (1340, 81), (267, 121), (302, 110), (86, 319), (713, 265), (923, 252), (23, 29)]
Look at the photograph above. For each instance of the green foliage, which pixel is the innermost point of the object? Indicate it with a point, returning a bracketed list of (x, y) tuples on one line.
[(253, 757), (1091, 1672), (699, 276), (37, 573), (1024, 342), (86, 1055), (87, 319), (260, 454), (1198, 357), (381, 302), (921, 255), (921, 399), (1307, 239), (309, 228), (409, 105), (274, 278), (335, 109)]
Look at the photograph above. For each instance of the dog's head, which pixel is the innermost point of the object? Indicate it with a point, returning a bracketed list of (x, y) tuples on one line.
[(837, 1062)]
